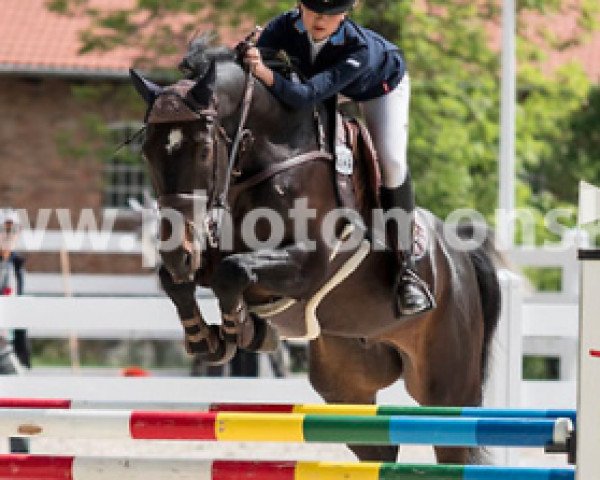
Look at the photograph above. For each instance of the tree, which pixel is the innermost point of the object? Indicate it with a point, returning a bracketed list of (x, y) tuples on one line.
[(454, 126), (454, 71), (455, 108)]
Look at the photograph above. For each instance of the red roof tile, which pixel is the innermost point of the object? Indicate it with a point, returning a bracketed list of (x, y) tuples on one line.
[(38, 40), (34, 38), (563, 26)]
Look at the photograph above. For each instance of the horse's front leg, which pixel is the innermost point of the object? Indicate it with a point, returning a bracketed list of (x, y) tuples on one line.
[(279, 271), (200, 338)]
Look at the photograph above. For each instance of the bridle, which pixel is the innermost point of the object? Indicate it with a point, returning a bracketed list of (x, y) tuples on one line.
[(220, 200)]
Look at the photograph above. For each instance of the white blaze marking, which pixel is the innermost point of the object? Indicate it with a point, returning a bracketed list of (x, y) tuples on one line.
[(175, 139)]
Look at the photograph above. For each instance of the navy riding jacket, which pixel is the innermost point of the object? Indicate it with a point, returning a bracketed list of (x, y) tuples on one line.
[(355, 61)]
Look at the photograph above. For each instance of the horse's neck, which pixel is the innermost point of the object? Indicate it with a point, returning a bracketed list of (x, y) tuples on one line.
[(285, 132)]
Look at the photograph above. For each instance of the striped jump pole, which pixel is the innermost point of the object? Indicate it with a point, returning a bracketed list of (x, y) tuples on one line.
[(588, 420), (312, 409), (27, 467), (288, 427)]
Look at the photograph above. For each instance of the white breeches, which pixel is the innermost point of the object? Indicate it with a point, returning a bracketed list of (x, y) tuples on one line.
[(387, 121)]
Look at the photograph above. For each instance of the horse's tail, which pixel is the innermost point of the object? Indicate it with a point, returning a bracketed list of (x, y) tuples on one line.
[(486, 259)]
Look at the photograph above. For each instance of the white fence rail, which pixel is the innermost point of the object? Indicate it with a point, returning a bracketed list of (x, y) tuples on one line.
[(79, 241), (539, 324), (91, 317), (171, 390), (91, 284), (525, 328)]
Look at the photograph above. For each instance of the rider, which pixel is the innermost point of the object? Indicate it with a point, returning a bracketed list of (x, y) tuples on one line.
[(337, 55), (14, 346)]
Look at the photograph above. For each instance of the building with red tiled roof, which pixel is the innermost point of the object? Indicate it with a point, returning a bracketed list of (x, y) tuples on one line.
[(35, 40), (46, 153), (41, 68)]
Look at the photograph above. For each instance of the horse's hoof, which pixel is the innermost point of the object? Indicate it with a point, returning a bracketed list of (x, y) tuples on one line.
[(265, 338), (214, 350), (223, 355)]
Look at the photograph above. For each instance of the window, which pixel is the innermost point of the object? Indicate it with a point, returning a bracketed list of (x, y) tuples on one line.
[(125, 175)]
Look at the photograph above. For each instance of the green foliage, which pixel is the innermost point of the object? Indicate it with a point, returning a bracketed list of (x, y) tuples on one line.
[(58, 6), (90, 138), (546, 134), (454, 131), (541, 368), (578, 154), (455, 105), (154, 354), (64, 7), (544, 279)]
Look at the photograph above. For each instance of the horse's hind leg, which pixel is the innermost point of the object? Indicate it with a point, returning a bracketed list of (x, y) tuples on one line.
[(345, 370), (444, 369)]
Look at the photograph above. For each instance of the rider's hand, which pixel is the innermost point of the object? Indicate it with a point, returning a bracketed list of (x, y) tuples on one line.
[(253, 59)]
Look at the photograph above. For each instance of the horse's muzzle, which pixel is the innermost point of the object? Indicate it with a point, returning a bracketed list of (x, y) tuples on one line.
[(180, 245)]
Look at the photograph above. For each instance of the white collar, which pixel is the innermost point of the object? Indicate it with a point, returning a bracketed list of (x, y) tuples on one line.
[(316, 47)]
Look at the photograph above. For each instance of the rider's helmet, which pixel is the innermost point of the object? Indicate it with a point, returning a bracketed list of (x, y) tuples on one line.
[(329, 7)]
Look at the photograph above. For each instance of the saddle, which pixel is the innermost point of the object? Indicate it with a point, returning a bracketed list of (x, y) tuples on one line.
[(357, 172), (358, 175)]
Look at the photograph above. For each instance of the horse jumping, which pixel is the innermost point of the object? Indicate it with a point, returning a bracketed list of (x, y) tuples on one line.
[(226, 136)]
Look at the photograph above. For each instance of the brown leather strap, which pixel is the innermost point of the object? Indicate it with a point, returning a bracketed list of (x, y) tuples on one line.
[(275, 169), (344, 182), (233, 154)]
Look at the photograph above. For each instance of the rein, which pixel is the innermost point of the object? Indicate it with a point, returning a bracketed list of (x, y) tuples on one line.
[(246, 102), (277, 168), (274, 169), (230, 193)]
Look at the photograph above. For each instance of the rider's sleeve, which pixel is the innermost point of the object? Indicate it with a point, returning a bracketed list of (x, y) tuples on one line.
[(323, 85), (274, 34)]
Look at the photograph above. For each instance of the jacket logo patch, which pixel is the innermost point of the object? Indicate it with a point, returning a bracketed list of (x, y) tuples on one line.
[(353, 62)]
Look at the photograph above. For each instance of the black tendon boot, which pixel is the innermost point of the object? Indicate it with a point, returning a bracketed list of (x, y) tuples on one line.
[(411, 293)]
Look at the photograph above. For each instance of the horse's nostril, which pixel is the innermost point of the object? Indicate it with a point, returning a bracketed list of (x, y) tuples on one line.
[(188, 260)]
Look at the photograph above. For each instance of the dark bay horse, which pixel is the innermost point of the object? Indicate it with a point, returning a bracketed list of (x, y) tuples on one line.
[(358, 346)]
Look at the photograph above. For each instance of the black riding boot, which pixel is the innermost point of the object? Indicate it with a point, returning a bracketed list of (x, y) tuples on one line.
[(411, 294)]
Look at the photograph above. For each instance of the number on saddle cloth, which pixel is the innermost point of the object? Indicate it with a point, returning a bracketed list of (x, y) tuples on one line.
[(358, 175)]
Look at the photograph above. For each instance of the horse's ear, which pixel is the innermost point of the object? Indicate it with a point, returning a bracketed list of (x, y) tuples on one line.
[(205, 86), (148, 90)]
